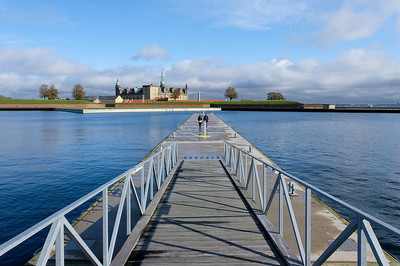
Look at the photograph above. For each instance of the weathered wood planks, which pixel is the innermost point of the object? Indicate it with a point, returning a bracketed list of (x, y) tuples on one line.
[(202, 220)]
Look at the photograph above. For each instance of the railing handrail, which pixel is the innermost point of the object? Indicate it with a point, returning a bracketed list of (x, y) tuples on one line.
[(18, 239), (237, 159), (312, 187)]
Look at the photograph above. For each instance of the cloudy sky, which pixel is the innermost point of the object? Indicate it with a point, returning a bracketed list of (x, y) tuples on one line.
[(310, 50)]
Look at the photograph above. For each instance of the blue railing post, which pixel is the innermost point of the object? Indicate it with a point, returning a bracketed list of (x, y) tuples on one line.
[(128, 204), (264, 202), (361, 243), (308, 227), (60, 247), (280, 204), (253, 178), (225, 159), (105, 227)]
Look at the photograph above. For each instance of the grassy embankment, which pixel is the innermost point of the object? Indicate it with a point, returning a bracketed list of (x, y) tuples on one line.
[(215, 102), (256, 102), (169, 103), (148, 105), (27, 101)]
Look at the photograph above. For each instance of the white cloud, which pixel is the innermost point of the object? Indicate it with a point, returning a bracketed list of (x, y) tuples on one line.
[(358, 75), (356, 19), (349, 24), (249, 14), (36, 61), (328, 22), (152, 52)]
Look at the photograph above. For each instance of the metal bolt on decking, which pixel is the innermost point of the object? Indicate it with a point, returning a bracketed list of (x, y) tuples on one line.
[(291, 188)]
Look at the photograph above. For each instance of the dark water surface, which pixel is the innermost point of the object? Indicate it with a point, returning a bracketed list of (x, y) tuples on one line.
[(50, 159)]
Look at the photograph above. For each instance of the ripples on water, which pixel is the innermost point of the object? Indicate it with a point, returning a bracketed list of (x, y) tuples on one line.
[(50, 159), (355, 157)]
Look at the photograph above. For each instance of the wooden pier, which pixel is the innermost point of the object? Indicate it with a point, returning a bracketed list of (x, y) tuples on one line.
[(202, 219)]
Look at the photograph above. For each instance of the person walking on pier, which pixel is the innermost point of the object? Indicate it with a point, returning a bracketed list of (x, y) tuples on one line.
[(206, 119), (200, 120)]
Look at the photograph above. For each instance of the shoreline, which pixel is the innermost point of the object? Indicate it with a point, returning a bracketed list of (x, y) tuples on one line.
[(337, 110), (101, 108)]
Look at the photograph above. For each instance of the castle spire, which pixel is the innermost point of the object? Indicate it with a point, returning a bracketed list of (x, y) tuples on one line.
[(162, 79), (117, 88)]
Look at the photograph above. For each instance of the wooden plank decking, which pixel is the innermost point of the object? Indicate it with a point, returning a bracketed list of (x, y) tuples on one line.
[(202, 220)]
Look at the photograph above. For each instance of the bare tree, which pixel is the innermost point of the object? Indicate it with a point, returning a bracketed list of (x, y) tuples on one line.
[(231, 93), (52, 93), (275, 96), (78, 92), (43, 90), (175, 94)]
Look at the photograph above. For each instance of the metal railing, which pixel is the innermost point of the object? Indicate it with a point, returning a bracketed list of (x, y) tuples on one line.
[(243, 165), (152, 172)]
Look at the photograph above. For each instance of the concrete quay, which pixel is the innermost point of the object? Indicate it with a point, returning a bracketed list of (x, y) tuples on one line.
[(137, 110), (194, 145)]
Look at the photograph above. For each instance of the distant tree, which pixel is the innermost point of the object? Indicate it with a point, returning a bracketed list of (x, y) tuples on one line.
[(43, 90), (231, 93), (52, 93), (77, 92), (4, 97), (175, 94), (275, 96)]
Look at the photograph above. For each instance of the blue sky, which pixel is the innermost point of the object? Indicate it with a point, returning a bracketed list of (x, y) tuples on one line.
[(311, 51)]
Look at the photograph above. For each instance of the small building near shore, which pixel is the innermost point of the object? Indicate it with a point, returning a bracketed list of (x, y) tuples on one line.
[(100, 99), (319, 106)]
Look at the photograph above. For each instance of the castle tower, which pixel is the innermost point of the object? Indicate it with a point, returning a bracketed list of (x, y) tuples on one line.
[(162, 85), (162, 80), (117, 88)]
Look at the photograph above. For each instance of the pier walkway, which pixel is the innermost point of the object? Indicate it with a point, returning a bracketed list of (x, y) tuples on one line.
[(202, 220)]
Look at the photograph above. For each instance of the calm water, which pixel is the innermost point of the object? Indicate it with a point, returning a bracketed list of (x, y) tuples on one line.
[(50, 159)]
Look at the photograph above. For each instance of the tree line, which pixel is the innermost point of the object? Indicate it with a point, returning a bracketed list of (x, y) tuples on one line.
[(231, 93), (51, 93)]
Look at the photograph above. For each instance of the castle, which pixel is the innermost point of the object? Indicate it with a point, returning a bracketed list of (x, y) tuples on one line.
[(150, 92)]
